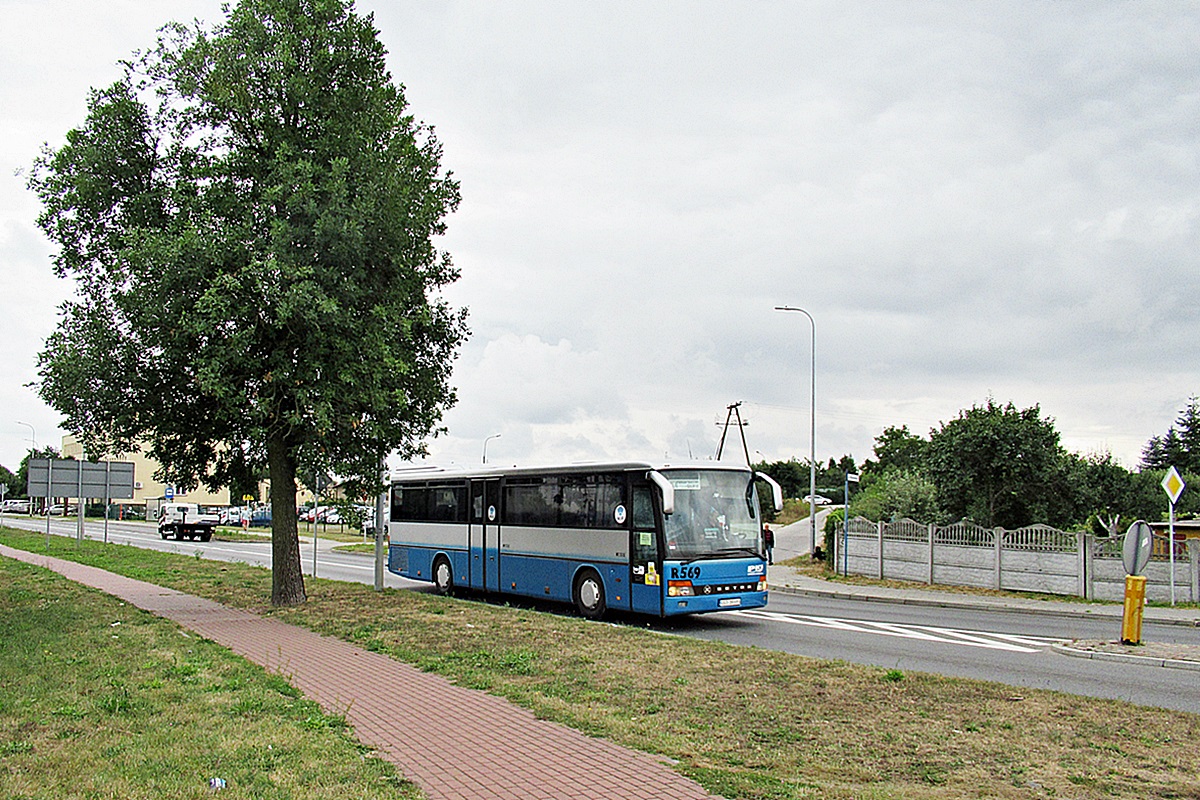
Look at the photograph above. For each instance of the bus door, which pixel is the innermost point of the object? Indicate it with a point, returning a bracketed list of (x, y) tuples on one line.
[(646, 583), (484, 535)]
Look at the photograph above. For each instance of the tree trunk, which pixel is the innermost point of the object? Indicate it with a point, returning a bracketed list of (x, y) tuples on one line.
[(287, 584)]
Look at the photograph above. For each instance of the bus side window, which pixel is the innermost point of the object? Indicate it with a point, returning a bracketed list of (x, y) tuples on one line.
[(643, 508), (644, 546)]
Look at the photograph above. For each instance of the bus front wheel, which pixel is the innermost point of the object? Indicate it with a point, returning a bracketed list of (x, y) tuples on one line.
[(589, 595), (443, 576)]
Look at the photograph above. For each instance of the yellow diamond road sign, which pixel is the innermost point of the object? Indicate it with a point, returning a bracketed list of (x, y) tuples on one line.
[(1173, 485)]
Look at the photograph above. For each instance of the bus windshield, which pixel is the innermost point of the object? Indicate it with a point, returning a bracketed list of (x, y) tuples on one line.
[(716, 515)]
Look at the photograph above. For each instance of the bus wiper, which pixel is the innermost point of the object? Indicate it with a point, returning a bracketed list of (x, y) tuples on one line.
[(722, 554), (747, 550)]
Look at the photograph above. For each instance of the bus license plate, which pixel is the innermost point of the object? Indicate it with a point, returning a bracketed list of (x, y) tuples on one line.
[(729, 602)]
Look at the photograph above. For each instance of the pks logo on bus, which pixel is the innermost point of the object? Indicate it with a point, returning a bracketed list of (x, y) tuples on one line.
[(755, 569)]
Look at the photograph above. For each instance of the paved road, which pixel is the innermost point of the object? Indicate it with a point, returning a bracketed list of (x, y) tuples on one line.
[(330, 564), (793, 540), (1010, 646)]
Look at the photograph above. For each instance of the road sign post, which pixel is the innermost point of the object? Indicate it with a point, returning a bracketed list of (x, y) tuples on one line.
[(382, 503), (850, 478), (1173, 485)]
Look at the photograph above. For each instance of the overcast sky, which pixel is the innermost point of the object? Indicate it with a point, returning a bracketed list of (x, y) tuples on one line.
[(972, 200)]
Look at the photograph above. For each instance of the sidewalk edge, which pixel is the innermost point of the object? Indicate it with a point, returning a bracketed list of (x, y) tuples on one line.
[(1168, 663), (965, 604)]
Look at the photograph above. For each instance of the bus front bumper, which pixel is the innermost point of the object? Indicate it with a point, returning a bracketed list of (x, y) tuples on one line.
[(702, 604)]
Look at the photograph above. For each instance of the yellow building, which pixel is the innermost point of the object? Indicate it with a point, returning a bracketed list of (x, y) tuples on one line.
[(149, 494)]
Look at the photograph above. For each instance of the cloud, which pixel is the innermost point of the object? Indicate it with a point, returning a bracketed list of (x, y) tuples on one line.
[(970, 199)]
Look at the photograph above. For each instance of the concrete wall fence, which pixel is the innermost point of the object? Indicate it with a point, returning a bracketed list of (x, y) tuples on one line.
[(1034, 559)]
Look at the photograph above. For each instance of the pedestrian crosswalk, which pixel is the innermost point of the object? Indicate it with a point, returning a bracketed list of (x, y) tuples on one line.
[(1013, 643)]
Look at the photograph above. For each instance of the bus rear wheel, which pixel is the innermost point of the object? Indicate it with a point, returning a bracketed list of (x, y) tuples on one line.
[(443, 576), (589, 595)]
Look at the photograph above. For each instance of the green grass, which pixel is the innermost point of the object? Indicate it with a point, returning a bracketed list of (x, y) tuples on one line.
[(745, 722), (101, 700)]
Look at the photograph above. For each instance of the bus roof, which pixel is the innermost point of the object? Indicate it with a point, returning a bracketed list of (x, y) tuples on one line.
[(419, 473)]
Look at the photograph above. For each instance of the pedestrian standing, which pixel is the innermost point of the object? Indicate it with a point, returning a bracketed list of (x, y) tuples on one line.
[(769, 543)]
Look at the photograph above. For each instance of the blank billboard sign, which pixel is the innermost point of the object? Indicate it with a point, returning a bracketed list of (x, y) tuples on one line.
[(64, 477)]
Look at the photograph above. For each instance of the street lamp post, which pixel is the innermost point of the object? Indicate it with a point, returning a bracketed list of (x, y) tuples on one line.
[(32, 433), (485, 441), (32, 452), (812, 431)]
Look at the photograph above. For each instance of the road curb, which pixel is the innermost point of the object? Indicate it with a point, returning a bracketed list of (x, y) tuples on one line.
[(1168, 663), (969, 605)]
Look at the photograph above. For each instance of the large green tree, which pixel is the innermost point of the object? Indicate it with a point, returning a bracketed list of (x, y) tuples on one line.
[(250, 216), (12, 484), (899, 449), (1000, 465)]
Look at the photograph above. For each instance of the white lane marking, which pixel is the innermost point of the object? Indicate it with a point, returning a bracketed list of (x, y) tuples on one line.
[(928, 633)]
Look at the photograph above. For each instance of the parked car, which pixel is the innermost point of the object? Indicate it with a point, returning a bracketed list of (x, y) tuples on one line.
[(15, 507), (260, 518), (130, 511), (315, 514)]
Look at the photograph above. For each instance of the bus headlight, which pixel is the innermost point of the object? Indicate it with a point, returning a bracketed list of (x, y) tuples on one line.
[(679, 589)]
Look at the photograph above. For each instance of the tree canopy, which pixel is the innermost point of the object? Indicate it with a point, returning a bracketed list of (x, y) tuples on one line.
[(1004, 466), (899, 448), (999, 465), (250, 215), (1179, 447)]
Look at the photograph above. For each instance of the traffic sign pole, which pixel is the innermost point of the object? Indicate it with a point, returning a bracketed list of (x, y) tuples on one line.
[(1171, 529), (1173, 485), (850, 478)]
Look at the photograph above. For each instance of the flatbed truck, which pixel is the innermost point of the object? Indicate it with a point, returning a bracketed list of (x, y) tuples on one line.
[(185, 521)]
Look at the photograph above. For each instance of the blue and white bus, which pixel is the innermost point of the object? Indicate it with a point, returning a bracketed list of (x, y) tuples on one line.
[(629, 536)]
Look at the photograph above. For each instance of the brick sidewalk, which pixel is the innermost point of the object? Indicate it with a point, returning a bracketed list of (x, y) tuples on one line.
[(453, 742)]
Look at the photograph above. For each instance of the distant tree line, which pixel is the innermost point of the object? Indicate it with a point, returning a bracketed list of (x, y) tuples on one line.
[(17, 482), (1001, 466)]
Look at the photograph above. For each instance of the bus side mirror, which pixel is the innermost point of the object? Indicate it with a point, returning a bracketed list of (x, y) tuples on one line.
[(668, 491), (776, 491)]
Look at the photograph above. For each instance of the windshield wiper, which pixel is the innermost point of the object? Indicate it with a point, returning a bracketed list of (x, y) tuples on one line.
[(749, 550), (722, 553)]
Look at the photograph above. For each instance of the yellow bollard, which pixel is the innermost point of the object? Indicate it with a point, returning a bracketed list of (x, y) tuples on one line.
[(1135, 599)]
